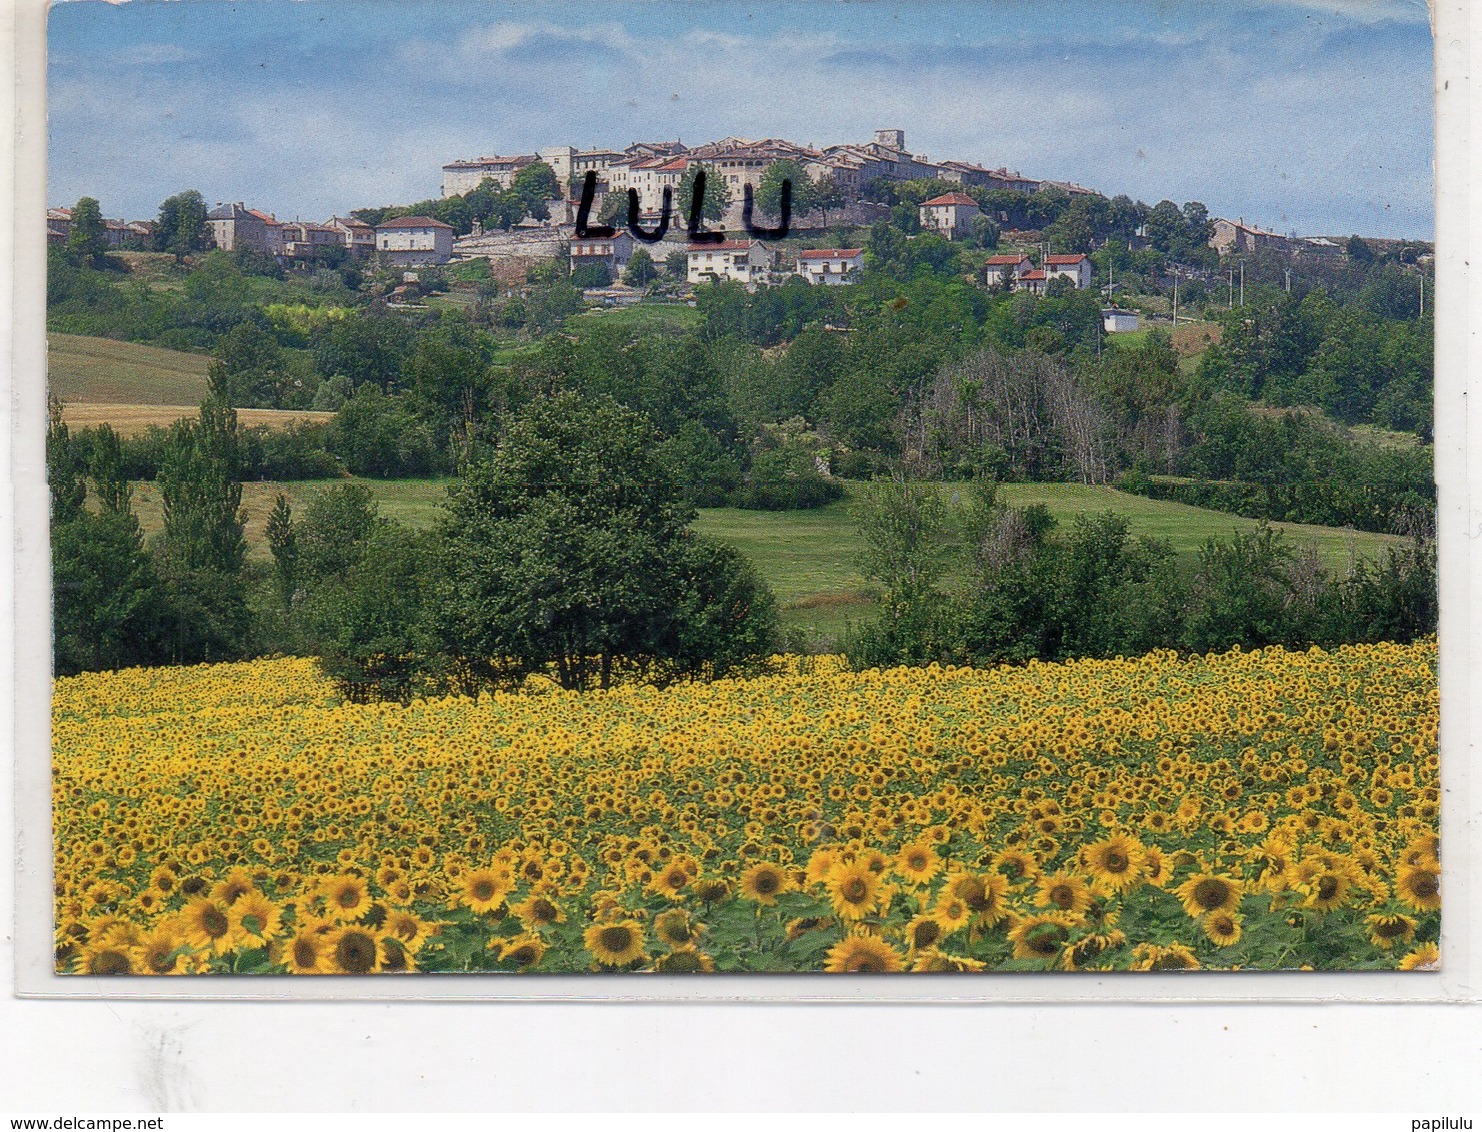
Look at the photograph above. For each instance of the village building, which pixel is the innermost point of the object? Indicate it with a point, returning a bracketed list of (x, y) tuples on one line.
[(1005, 270), (358, 237), (58, 225), (235, 226), (831, 266), (1117, 321), (950, 215), (744, 261), (303, 242), (460, 177), (1235, 236), (1076, 268), (414, 241), (612, 252)]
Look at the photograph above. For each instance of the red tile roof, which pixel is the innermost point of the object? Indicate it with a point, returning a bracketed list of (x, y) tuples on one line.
[(414, 222), (951, 198), (1064, 260), (1037, 273), (1003, 259), (727, 246), (830, 253)]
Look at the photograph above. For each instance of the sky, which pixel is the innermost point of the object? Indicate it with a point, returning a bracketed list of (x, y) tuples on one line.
[(1307, 116)]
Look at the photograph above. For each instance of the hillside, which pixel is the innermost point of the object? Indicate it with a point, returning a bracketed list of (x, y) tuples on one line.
[(103, 371)]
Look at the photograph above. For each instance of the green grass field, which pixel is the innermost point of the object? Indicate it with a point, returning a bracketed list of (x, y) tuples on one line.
[(810, 558), (102, 371), (644, 317)]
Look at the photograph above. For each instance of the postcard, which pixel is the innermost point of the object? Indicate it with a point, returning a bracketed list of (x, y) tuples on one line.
[(825, 488)]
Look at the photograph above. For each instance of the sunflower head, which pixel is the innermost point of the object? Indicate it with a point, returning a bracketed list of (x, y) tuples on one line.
[(616, 943), (862, 954), (764, 882)]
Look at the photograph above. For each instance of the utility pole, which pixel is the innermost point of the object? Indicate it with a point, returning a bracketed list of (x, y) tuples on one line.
[(1231, 301), (1288, 280), (1422, 294), (1242, 282), (1175, 299)]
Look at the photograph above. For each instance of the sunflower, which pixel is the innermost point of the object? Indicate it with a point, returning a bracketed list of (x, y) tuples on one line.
[(1041, 936), (675, 928), (800, 927), (854, 889), (483, 890), (254, 919), (206, 925), (616, 944), (1386, 930), (952, 913), (712, 889), (820, 864), (1173, 957), (1015, 865), (1205, 892), (395, 958), (685, 961), (1419, 887), (862, 954), (1328, 890), (917, 863), (764, 882), (933, 961), (106, 959), (159, 952), (1222, 928), (671, 881), (1115, 863), (238, 882), (923, 932), (354, 950), (982, 893), (307, 952), (537, 912), (524, 950), (1426, 957), (1065, 891), (346, 897), (409, 929)]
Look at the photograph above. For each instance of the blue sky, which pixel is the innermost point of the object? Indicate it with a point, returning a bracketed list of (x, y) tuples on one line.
[(1312, 116)]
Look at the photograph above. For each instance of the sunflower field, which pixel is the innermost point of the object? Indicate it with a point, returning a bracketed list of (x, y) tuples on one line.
[(1256, 810)]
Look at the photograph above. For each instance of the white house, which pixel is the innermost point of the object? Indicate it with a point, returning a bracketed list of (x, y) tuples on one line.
[(1006, 269), (414, 241), (745, 261), (1115, 321), (464, 176), (1076, 268), (358, 237), (831, 266), (950, 215)]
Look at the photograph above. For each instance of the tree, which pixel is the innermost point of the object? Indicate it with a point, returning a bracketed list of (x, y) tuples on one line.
[(717, 194), (535, 185), (640, 271), (827, 193), (676, 265), (1359, 250), (87, 238), (181, 228), (568, 551), (769, 191), (248, 368), (283, 542), (201, 549)]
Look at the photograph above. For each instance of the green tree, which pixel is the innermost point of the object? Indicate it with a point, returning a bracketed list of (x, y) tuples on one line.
[(535, 185), (248, 368), (181, 227), (640, 271), (569, 551), (717, 193), (769, 191), (283, 542), (87, 238), (677, 265)]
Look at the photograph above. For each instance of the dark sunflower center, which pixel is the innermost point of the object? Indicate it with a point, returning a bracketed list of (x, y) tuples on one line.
[(305, 954), (973, 895), (349, 898), (1425, 885), (214, 922), (855, 890), (616, 939), (1210, 894), (1045, 941), (543, 911), (483, 889), (927, 933), (356, 952), (1062, 896), (1327, 888), (111, 963), (1389, 929), (767, 883), (522, 956), (683, 961), (1115, 862)]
